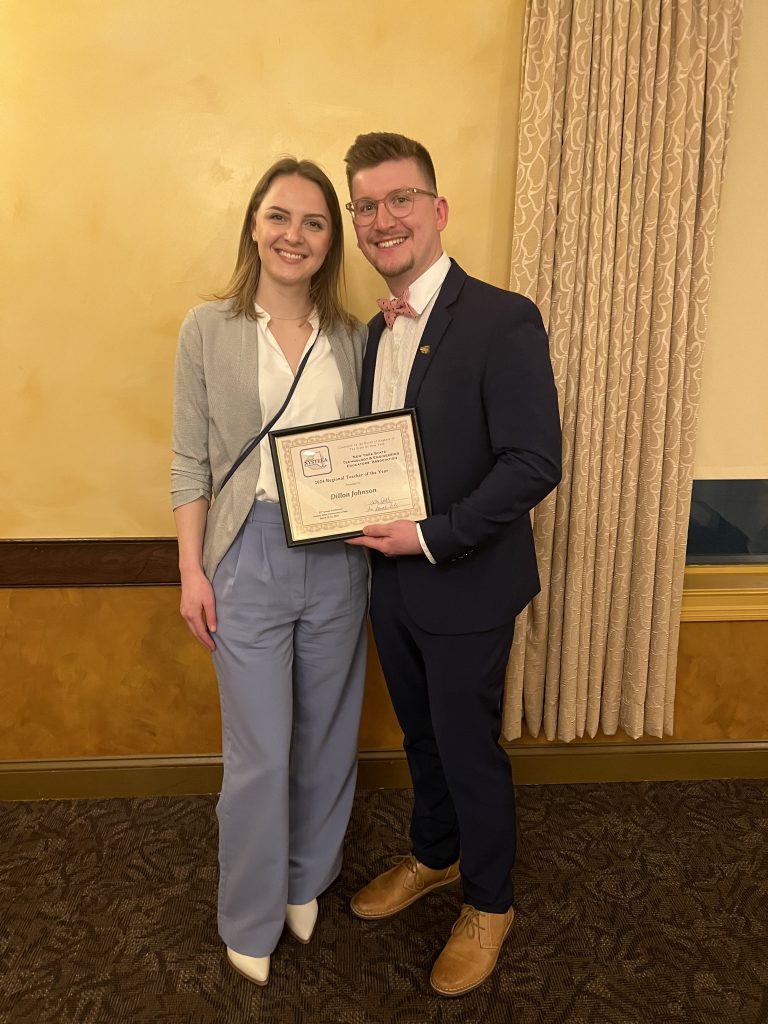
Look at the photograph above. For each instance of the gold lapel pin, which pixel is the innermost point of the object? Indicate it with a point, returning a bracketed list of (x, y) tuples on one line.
[(424, 350)]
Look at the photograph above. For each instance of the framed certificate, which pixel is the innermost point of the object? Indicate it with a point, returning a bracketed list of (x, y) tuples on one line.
[(334, 478)]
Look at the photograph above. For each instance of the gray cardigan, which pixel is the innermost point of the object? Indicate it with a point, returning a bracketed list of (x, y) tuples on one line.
[(216, 413)]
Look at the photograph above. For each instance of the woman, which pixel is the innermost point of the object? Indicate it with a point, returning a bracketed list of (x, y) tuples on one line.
[(286, 626)]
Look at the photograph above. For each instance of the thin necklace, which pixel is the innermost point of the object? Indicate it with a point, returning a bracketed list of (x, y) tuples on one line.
[(304, 316)]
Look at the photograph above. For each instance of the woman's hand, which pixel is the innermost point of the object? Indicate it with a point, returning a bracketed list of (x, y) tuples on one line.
[(198, 606)]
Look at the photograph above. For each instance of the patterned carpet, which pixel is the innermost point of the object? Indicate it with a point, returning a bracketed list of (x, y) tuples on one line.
[(643, 903)]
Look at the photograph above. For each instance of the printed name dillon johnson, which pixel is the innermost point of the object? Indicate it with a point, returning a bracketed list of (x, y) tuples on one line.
[(352, 494)]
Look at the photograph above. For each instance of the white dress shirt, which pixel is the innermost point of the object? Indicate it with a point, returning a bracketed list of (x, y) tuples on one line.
[(318, 395), (399, 344)]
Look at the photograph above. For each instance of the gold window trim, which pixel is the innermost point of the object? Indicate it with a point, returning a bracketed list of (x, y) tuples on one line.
[(723, 593)]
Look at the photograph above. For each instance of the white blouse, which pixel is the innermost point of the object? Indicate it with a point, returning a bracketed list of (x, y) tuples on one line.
[(317, 397)]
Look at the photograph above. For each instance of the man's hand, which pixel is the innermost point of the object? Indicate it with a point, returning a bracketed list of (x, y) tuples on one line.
[(397, 538)]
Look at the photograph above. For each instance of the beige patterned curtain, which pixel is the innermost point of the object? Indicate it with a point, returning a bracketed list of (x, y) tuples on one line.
[(624, 119)]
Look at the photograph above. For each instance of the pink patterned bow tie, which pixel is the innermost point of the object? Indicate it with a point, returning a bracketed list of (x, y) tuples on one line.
[(393, 308)]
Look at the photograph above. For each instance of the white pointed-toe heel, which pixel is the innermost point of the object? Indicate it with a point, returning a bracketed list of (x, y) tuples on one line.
[(254, 968), (300, 919)]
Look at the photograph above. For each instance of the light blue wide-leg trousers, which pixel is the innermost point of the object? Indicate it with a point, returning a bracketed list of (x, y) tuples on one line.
[(290, 661)]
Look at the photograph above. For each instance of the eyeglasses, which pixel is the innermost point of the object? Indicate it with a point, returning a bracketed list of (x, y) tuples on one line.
[(399, 203)]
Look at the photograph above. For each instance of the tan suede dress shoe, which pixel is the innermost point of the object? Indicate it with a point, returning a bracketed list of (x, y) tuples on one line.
[(399, 887), (471, 952)]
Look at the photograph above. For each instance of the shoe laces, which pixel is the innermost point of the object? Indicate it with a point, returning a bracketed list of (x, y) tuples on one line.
[(411, 865), (469, 922)]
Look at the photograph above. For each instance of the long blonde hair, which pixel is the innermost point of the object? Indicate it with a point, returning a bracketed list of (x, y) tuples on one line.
[(325, 286)]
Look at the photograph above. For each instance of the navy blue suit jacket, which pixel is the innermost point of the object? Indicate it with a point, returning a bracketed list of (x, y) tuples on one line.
[(487, 410)]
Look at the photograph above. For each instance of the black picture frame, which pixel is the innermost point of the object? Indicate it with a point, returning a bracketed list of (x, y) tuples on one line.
[(331, 434)]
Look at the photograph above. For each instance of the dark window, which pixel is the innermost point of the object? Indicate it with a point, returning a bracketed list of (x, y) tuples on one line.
[(728, 522)]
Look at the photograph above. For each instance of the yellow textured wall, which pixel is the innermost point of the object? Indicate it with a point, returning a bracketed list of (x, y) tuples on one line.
[(98, 671), (732, 439), (111, 672), (132, 134)]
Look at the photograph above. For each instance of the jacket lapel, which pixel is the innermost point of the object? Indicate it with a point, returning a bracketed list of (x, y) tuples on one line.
[(438, 323), (340, 349)]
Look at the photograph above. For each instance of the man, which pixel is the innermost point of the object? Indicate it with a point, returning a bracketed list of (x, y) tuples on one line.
[(473, 360)]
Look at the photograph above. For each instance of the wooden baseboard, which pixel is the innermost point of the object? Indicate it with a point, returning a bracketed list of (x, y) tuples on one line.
[(598, 762), (98, 777), (556, 763)]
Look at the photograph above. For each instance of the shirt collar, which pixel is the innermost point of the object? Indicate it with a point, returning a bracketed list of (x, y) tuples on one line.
[(423, 289), (313, 318)]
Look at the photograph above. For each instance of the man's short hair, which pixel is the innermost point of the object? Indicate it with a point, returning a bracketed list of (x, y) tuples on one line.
[(377, 147)]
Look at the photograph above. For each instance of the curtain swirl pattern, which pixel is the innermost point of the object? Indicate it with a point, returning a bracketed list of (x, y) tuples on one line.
[(624, 120)]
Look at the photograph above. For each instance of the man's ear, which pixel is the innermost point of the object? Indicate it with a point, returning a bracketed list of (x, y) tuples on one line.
[(441, 210)]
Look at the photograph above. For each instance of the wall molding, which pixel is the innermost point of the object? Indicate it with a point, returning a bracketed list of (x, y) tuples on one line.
[(387, 769), (711, 593), (725, 593), (90, 562)]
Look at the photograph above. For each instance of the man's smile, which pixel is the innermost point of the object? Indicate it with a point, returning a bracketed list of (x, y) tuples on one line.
[(389, 243)]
